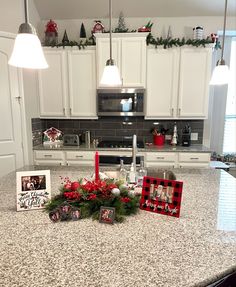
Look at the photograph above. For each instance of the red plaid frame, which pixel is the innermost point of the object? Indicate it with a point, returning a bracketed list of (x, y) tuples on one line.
[(170, 206)]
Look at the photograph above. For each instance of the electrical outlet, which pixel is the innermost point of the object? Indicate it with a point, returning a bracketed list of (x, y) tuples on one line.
[(194, 136)]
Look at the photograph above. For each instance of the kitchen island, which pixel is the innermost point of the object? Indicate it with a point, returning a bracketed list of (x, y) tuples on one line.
[(145, 250)]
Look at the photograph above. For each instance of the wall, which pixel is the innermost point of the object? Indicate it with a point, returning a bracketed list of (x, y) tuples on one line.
[(114, 128), (180, 26)]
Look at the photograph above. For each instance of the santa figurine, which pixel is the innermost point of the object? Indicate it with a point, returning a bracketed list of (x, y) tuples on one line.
[(51, 33)]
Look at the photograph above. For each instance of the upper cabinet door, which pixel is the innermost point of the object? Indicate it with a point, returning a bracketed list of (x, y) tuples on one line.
[(133, 62), (162, 82), (194, 77), (82, 83), (53, 85), (129, 53), (103, 54)]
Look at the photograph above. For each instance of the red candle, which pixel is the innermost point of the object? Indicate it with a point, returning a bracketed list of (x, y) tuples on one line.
[(96, 166)]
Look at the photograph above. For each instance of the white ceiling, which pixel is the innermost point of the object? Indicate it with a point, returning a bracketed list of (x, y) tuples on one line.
[(96, 9)]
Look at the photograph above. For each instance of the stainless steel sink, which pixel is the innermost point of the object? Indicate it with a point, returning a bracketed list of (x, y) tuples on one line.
[(160, 173)]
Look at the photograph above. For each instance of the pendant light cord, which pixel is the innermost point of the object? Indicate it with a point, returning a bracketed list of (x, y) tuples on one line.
[(223, 42), (110, 11), (26, 11)]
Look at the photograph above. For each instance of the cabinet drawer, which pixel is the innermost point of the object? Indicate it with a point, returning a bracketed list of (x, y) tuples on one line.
[(161, 156), (78, 155), (49, 155), (194, 157)]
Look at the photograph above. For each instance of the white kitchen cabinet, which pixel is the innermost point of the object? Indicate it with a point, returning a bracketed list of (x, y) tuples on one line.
[(129, 54), (161, 159), (67, 89), (53, 86), (162, 82), (198, 160), (178, 82), (48, 157), (82, 158)]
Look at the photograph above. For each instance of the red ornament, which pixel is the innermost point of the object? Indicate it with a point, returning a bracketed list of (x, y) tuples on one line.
[(75, 185)]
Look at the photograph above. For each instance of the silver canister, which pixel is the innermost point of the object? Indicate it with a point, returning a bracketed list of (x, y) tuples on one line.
[(87, 139)]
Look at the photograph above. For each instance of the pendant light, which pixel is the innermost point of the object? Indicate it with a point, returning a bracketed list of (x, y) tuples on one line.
[(220, 75), (111, 75), (27, 51)]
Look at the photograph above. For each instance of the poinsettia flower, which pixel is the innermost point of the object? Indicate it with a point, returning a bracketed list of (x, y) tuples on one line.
[(125, 199), (92, 196)]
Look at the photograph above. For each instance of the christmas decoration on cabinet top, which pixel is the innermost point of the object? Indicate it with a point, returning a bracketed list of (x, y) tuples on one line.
[(65, 39), (98, 27), (51, 34), (82, 32), (121, 24), (146, 28)]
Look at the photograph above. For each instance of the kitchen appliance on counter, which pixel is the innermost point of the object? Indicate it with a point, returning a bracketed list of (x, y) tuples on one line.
[(186, 136), (71, 140), (115, 159), (120, 102)]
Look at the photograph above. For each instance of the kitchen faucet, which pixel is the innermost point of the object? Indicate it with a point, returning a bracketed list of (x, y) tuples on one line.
[(134, 151)]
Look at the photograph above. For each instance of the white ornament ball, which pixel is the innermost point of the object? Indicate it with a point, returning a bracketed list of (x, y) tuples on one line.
[(115, 191), (131, 193)]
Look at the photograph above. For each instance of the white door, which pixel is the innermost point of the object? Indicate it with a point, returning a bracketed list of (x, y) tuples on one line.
[(82, 83), (11, 144), (195, 71)]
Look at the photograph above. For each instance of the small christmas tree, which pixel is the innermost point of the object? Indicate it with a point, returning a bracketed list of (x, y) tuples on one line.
[(82, 31), (65, 39), (121, 24)]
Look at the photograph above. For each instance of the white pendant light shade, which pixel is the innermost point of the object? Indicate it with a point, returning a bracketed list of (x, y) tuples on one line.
[(220, 75), (27, 52), (110, 76)]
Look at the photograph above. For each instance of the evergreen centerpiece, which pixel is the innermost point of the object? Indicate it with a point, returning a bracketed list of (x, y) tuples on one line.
[(87, 196)]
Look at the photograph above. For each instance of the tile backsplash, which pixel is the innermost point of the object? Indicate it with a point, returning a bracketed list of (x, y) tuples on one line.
[(108, 128)]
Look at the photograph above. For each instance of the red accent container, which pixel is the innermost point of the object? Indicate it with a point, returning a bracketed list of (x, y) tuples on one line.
[(158, 139)]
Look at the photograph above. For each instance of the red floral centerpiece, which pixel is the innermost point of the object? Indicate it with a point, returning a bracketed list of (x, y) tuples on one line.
[(87, 196)]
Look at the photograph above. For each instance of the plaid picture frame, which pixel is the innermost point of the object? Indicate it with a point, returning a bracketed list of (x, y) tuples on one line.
[(161, 196)]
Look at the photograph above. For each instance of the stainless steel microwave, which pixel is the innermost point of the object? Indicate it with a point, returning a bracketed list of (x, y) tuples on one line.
[(120, 102)]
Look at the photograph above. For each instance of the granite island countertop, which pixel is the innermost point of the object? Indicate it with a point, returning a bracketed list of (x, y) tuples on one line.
[(148, 148), (146, 250)]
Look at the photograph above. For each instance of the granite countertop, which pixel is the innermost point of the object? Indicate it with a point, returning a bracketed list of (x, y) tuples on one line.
[(147, 249), (149, 148)]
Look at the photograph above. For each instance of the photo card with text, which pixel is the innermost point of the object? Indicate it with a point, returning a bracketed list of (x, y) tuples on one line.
[(161, 196)]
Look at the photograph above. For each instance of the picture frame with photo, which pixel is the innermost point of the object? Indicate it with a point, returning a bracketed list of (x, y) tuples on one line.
[(161, 196), (33, 189), (107, 215)]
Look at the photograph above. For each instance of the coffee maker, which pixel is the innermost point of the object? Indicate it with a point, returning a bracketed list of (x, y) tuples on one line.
[(186, 136)]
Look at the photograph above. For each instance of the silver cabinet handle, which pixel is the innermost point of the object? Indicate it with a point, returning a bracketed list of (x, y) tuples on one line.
[(194, 158), (160, 157), (64, 111), (172, 112), (179, 111), (79, 156), (48, 155)]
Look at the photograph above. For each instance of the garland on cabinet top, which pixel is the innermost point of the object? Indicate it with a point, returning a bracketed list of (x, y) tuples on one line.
[(177, 42)]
